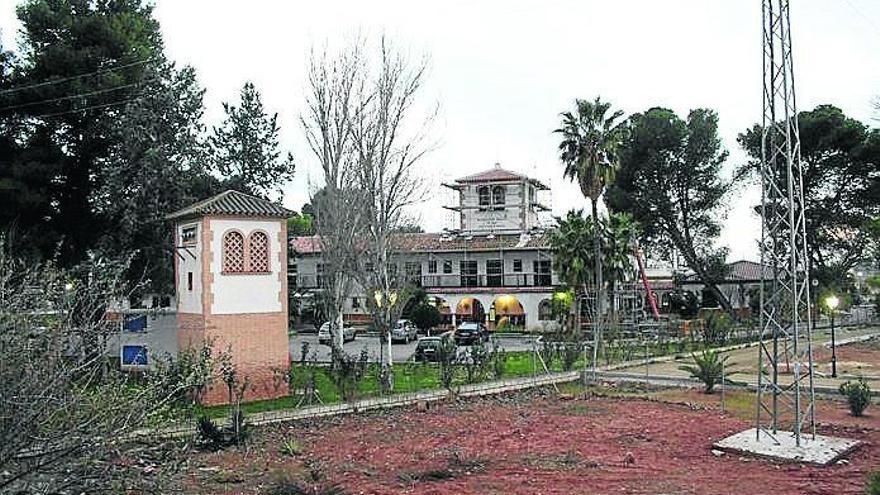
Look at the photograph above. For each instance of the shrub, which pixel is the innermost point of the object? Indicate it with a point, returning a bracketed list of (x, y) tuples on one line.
[(873, 487), (548, 350), (498, 359), (858, 395), (708, 367), (571, 351), (210, 434), (475, 361), (290, 448), (716, 328), (447, 357), (213, 437), (348, 372)]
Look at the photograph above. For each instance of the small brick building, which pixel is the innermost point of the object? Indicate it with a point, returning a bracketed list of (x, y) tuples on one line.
[(231, 284)]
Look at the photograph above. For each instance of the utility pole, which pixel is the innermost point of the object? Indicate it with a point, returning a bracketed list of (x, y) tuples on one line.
[(785, 301)]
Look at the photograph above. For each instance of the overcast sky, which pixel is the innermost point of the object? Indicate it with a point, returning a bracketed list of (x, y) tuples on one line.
[(502, 71)]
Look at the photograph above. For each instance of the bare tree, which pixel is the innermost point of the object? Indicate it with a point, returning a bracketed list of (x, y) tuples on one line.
[(68, 418), (389, 143), (360, 125), (333, 84)]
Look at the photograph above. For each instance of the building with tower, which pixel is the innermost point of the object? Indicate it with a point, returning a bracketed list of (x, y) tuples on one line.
[(231, 286), (494, 267)]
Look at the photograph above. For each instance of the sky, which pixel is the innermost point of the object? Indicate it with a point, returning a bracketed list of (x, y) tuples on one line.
[(502, 71)]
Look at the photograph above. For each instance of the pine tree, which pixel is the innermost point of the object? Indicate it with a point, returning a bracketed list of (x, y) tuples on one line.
[(246, 151)]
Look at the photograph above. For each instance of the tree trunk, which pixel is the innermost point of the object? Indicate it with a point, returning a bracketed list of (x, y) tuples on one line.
[(598, 310)]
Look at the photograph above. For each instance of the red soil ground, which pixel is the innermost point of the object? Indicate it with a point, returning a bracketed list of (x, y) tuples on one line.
[(537, 444)]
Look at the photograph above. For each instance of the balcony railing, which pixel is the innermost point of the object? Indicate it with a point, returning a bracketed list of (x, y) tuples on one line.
[(484, 280)]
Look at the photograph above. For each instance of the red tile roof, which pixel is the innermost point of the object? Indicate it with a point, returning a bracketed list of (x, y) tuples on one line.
[(494, 174)]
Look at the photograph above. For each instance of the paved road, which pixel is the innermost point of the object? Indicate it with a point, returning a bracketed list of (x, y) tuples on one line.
[(399, 352)]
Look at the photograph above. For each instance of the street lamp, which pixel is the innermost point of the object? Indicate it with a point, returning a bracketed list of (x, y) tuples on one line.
[(831, 302), (297, 297)]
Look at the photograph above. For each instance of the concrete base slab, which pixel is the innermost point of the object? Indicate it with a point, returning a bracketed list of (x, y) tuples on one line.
[(781, 447)]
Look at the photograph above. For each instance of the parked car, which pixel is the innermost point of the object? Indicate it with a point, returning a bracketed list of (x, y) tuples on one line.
[(403, 331), (428, 348), (324, 336), (471, 333)]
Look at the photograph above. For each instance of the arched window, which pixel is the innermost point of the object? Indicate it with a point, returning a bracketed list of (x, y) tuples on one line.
[(483, 192), (258, 252), (545, 310), (233, 252), (498, 195)]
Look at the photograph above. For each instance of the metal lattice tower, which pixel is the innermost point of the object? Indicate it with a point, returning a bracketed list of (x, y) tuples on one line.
[(785, 398)]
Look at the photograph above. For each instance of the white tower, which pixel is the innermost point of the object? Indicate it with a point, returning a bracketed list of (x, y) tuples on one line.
[(231, 281)]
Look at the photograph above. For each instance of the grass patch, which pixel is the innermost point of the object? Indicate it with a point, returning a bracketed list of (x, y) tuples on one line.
[(412, 377)]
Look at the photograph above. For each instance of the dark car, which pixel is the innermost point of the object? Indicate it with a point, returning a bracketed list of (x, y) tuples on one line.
[(471, 333), (429, 349)]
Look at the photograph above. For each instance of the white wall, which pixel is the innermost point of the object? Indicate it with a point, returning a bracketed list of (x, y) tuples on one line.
[(189, 259), (245, 293)]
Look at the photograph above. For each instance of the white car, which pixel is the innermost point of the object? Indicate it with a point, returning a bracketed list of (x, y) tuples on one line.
[(404, 331), (325, 337)]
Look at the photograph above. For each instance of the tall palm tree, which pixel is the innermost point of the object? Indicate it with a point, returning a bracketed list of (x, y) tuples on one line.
[(590, 142)]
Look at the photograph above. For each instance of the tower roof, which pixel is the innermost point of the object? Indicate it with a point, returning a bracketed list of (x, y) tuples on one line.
[(497, 174), (232, 203), (494, 174)]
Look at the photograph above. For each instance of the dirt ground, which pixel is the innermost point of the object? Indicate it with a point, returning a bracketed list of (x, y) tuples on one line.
[(857, 359), (854, 360), (532, 443)]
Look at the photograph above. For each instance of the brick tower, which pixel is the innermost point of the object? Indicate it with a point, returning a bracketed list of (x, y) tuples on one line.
[(231, 281)]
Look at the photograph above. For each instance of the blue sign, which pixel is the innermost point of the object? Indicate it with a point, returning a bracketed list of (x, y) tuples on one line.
[(137, 324), (134, 355)]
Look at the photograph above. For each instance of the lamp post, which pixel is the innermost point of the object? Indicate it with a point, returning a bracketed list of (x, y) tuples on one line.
[(297, 297), (831, 302), (385, 301)]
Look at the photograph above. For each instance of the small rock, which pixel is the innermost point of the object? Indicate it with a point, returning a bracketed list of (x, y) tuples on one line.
[(717, 453), (843, 462)]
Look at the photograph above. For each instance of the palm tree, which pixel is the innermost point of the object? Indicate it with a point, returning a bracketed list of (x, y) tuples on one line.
[(572, 242), (621, 235), (590, 142)]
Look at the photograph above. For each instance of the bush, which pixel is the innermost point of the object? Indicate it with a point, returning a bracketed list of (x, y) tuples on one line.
[(716, 328), (873, 487), (447, 357), (425, 317), (475, 362), (210, 434), (214, 438), (498, 359), (708, 367), (348, 372), (858, 395), (571, 351)]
